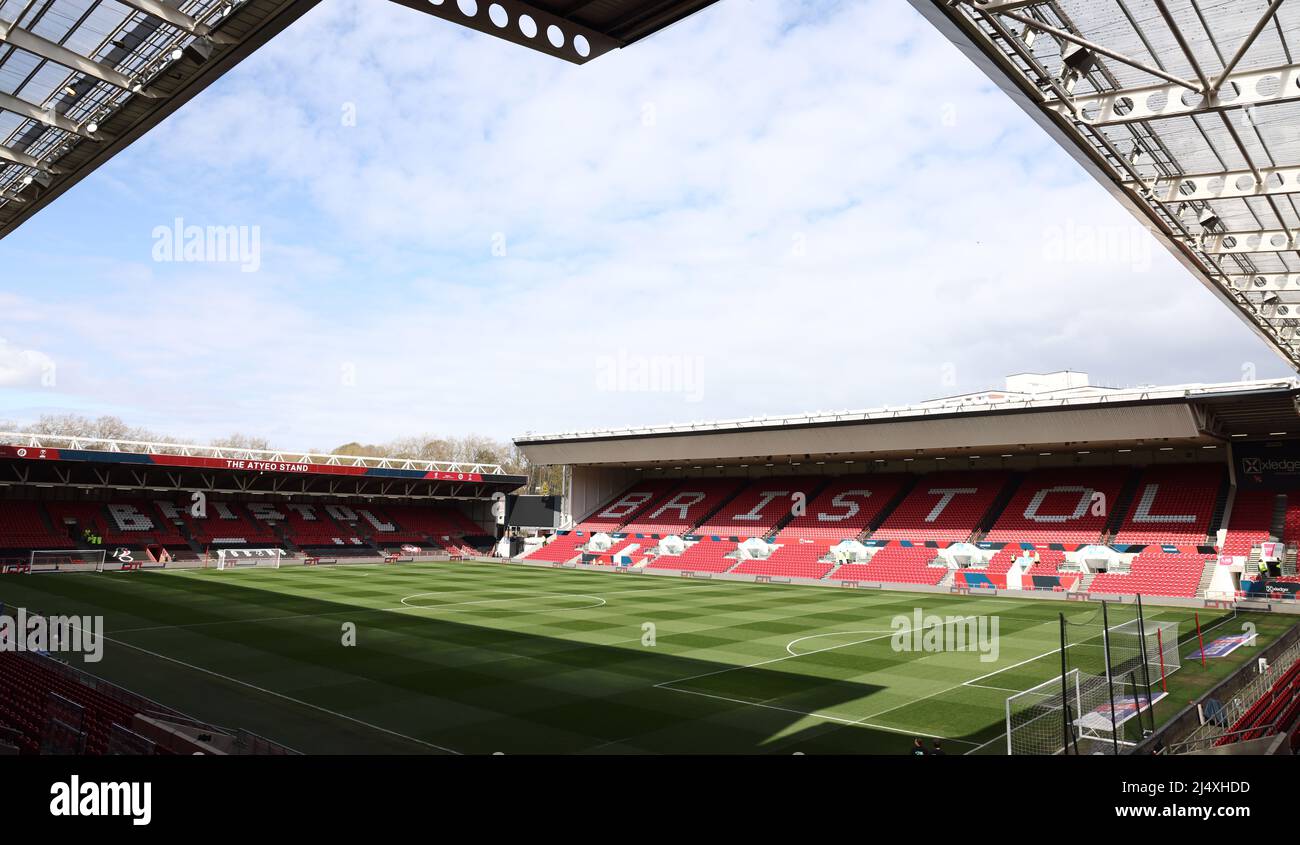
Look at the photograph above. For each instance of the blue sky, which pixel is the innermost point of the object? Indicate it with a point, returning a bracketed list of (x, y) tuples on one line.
[(775, 207)]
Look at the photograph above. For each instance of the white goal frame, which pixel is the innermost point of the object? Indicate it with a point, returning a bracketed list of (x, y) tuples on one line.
[(1035, 724), (66, 560), (249, 559)]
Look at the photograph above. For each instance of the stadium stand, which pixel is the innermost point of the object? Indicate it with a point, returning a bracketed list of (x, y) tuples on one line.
[(1174, 506), (844, 509), (757, 509), (1154, 573), (705, 556), (1057, 506), (795, 559), (684, 506), (895, 564), (946, 506)]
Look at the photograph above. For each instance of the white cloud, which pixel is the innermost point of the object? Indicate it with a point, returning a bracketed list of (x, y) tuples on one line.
[(825, 204), (24, 367)]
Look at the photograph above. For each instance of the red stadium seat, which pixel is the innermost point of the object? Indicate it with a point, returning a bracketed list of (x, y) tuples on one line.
[(1251, 521), (895, 564), (683, 507), (756, 510), (945, 506), (626, 506), (24, 526), (1060, 506), (1173, 505), (844, 509), (795, 559), (1155, 573), (705, 556)]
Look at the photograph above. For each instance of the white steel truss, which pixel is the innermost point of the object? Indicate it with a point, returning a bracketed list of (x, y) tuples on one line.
[(145, 447), (1187, 110), (104, 71)]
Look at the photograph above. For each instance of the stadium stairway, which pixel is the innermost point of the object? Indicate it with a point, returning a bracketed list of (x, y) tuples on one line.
[(1278, 524), (277, 528), (1220, 509), (998, 506), (183, 529), (1122, 504), (790, 517), (1207, 575), (888, 510), (725, 500)]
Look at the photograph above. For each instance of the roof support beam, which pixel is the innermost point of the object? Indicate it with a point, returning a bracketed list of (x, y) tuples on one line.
[(59, 54), (1242, 243), (1265, 282), (1229, 184), (1245, 47), (1257, 87), (1177, 31), (178, 19), (1102, 50), (1002, 5), (14, 157), (49, 116)]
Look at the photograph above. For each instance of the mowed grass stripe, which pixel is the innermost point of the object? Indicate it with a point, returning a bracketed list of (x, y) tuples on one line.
[(528, 670)]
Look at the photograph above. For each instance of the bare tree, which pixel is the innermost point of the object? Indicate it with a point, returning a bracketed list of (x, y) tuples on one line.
[(242, 441)]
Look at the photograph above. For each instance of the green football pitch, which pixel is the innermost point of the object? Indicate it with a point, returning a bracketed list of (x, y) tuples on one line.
[(481, 658)]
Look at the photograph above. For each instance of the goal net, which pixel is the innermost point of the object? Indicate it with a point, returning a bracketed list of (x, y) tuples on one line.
[(249, 558), (67, 560), (1114, 677)]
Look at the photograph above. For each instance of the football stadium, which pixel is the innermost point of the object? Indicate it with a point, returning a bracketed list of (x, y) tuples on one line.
[(1046, 567)]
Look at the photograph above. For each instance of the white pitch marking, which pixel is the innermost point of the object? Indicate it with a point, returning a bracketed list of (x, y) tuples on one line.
[(772, 660), (789, 647), (824, 716), (600, 602)]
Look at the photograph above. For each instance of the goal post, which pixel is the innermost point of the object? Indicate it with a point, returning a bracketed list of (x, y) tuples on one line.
[(1114, 679), (67, 560), (249, 559), (1034, 721)]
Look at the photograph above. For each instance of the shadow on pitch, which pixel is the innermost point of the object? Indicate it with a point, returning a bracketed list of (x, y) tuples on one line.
[(459, 683)]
